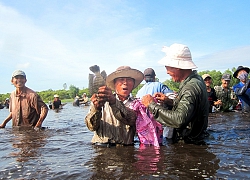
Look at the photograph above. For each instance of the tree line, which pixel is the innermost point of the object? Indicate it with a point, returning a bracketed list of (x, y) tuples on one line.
[(48, 95), (216, 78), (73, 91)]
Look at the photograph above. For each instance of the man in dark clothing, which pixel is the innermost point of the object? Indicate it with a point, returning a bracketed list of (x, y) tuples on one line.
[(189, 115)]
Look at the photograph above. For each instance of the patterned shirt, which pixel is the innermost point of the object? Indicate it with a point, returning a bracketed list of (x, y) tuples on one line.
[(226, 96), (113, 124)]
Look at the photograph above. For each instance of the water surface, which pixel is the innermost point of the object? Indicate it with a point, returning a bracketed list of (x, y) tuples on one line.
[(63, 151)]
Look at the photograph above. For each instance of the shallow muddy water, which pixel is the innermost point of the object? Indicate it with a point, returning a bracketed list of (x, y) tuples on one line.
[(63, 151)]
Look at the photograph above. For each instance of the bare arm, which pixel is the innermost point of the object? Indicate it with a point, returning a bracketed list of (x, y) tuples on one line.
[(44, 112), (6, 121)]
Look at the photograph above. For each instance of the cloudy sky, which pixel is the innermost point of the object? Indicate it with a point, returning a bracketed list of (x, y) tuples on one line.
[(55, 41)]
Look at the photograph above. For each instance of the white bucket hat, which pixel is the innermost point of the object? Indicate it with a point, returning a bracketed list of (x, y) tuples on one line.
[(177, 56), (124, 71)]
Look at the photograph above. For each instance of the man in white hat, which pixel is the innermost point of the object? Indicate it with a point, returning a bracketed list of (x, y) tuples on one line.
[(26, 107), (57, 103), (189, 115), (110, 117)]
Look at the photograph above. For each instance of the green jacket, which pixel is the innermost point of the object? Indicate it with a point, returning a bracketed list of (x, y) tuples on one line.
[(189, 115)]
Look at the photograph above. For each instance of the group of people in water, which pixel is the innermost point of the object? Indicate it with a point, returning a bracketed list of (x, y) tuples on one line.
[(115, 116), (5, 104), (225, 98)]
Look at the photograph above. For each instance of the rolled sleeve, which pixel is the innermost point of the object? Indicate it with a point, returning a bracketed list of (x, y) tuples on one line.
[(93, 118)]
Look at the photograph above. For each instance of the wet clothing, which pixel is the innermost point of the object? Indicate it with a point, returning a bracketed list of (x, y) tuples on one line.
[(242, 91), (211, 98), (189, 116), (7, 104), (225, 95), (26, 108), (76, 102), (113, 124), (57, 104), (154, 87), (85, 99), (151, 88)]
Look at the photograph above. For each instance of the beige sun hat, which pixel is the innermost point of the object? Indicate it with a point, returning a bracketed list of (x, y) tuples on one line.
[(204, 76), (177, 56), (124, 71), (56, 95)]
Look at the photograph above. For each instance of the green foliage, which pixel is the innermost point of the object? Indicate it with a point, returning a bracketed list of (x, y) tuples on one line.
[(64, 94), (73, 91), (134, 91), (172, 85), (3, 97), (216, 76)]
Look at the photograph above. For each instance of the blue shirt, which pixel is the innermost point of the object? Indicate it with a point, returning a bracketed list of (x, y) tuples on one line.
[(151, 88), (244, 98)]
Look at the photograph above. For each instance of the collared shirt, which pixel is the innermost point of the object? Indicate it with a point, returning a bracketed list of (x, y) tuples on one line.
[(151, 88), (225, 95), (26, 108), (114, 124)]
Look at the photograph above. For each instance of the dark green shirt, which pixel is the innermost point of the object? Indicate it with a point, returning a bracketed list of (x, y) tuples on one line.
[(189, 115)]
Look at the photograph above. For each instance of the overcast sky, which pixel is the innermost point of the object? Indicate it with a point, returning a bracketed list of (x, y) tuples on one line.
[(55, 41)]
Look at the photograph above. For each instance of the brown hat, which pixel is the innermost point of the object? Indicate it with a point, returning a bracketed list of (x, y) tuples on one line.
[(240, 68), (124, 71)]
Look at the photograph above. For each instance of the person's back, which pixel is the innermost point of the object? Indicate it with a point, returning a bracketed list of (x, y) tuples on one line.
[(151, 87), (76, 101)]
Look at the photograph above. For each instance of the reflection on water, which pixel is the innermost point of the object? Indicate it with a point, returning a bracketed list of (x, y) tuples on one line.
[(63, 151), (26, 143), (148, 159)]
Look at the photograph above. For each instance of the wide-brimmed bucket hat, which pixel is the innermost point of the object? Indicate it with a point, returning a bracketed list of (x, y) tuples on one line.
[(124, 71), (177, 56), (240, 68)]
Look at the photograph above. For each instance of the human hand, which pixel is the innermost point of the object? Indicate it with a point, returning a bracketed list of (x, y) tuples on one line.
[(160, 97), (96, 101), (105, 94), (219, 102), (147, 99), (37, 128)]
